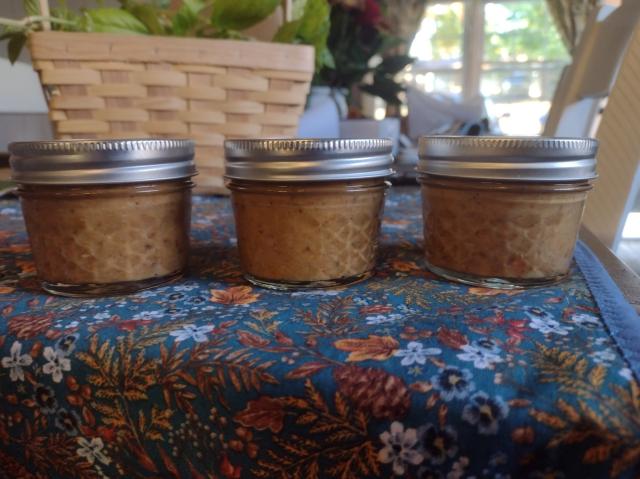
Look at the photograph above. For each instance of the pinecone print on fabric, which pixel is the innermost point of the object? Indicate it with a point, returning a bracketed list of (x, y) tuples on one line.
[(374, 391)]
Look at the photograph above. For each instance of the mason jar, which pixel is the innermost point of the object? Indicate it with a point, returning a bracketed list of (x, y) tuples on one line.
[(105, 217), (307, 211), (503, 212)]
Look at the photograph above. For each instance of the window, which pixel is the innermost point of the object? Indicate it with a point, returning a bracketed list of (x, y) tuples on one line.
[(506, 50)]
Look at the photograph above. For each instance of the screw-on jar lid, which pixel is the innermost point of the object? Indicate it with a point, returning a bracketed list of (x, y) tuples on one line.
[(508, 158), (81, 162), (308, 159)]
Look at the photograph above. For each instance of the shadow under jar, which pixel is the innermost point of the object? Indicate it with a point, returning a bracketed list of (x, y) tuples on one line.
[(105, 217), (503, 212), (307, 212)]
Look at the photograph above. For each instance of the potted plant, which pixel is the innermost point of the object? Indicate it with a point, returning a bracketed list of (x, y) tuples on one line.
[(363, 59), (361, 48), (173, 68)]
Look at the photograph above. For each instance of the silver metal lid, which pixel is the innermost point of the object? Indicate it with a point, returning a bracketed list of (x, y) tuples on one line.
[(509, 158), (81, 162), (308, 159)]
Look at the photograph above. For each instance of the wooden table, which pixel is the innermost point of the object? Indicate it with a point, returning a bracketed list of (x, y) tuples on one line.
[(623, 275)]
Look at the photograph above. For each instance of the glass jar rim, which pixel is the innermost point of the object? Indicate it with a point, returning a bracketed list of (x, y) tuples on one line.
[(308, 159), (87, 162), (542, 159)]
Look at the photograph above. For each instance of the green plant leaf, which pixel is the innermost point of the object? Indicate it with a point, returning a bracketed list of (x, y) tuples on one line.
[(297, 9), (311, 28), (394, 64), (32, 8), (385, 88), (241, 14), (17, 42), (187, 18), (315, 21), (150, 16), (113, 20), (288, 32)]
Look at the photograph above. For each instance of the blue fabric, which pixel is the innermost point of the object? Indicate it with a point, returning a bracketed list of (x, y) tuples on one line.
[(619, 316), (402, 375)]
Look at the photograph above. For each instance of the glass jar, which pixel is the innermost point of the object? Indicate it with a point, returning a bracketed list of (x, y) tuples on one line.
[(503, 212), (105, 217), (307, 212)]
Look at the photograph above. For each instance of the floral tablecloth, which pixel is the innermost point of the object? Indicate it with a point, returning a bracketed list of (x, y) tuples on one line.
[(402, 375)]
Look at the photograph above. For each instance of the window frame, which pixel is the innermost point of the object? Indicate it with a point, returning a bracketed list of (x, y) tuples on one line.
[(472, 64)]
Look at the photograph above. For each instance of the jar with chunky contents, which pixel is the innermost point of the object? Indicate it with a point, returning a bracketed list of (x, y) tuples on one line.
[(503, 212), (105, 217), (307, 212)]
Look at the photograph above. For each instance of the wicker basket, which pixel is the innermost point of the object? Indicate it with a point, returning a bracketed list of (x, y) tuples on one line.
[(123, 86)]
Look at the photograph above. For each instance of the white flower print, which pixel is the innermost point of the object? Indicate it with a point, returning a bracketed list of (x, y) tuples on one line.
[(197, 333), (549, 326), (148, 315), (606, 356), (586, 320), (399, 448), (150, 293), (185, 287), (626, 373), (318, 292), (458, 467), (92, 450), (56, 363), (488, 345), (101, 316), (416, 353), (544, 322), (16, 361), (481, 358), (381, 318)]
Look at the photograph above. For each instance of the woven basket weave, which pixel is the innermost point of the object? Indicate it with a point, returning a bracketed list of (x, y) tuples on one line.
[(126, 86)]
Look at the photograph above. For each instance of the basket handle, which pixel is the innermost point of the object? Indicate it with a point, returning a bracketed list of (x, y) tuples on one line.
[(45, 12)]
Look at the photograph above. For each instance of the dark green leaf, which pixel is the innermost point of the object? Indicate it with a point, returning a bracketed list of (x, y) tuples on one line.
[(150, 16), (187, 18), (113, 20), (7, 33), (385, 88), (15, 46), (241, 14), (394, 64)]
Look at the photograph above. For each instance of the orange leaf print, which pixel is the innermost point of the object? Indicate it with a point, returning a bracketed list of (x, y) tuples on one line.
[(404, 266), (306, 370), (234, 295), (492, 291), (379, 348), (451, 337), (263, 413), (26, 267), (251, 340), (523, 435)]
